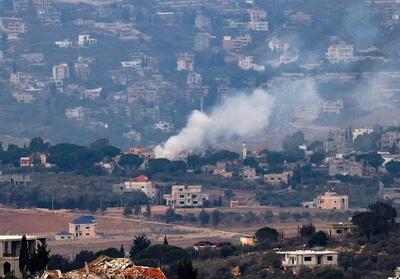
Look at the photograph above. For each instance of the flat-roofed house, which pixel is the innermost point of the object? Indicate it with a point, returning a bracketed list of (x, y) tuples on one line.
[(295, 260), (83, 227)]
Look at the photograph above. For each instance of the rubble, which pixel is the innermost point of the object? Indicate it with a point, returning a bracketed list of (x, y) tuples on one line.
[(108, 268)]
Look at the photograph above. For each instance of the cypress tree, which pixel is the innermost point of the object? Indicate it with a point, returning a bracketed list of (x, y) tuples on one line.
[(23, 256)]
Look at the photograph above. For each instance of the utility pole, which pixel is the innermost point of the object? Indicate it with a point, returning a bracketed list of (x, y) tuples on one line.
[(52, 202)]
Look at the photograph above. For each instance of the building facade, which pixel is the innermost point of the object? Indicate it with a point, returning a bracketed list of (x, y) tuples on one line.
[(295, 260), (140, 183), (10, 246), (83, 227), (190, 196)]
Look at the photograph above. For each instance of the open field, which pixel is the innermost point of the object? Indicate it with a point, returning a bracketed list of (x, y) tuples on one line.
[(119, 230)]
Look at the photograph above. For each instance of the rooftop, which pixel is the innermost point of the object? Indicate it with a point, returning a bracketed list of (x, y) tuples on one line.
[(84, 219), (19, 237), (307, 252)]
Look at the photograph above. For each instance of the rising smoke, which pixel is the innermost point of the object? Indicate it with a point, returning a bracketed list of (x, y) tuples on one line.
[(241, 115), (245, 116)]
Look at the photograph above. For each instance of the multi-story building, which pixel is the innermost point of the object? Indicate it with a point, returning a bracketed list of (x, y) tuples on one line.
[(82, 70), (63, 44), (76, 113), (235, 43), (202, 41), (277, 178), (258, 25), (25, 162), (86, 41), (83, 227), (140, 183), (190, 196), (193, 79), (60, 72), (361, 131), (13, 26), (342, 166), (202, 22), (246, 62), (296, 260), (329, 200), (257, 14), (185, 62), (10, 246), (248, 173), (389, 139), (333, 106), (340, 53)]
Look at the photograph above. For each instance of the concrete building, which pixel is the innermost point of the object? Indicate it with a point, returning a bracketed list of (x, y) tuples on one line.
[(82, 70), (140, 183), (185, 62), (340, 229), (342, 166), (277, 178), (361, 131), (83, 227), (389, 139), (202, 41), (63, 44), (64, 236), (86, 41), (295, 260), (190, 196), (333, 106), (76, 113), (258, 25), (248, 173), (257, 14), (202, 22), (235, 43), (10, 246), (340, 53), (60, 72), (14, 27), (193, 80), (15, 179), (25, 162), (246, 62), (329, 200)]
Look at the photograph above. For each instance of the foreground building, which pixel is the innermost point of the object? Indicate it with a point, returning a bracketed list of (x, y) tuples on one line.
[(190, 196), (108, 268), (10, 246), (295, 260)]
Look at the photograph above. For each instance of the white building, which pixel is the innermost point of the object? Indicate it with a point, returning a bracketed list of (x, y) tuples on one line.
[(202, 41), (361, 131), (246, 62), (60, 72), (295, 260), (185, 62), (202, 22), (340, 53), (257, 14), (258, 25), (83, 227), (330, 201), (63, 44), (76, 113), (140, 183), (86, 41), (10, 246), (190, 196), (235, 43)]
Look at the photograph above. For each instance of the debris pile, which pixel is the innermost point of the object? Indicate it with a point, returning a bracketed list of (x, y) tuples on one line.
[(108, 268)]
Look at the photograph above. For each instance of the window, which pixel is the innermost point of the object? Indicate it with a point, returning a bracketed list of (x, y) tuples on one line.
[(181, 196), (307, 259), (194, 202), (329, 258), (87, 233), (181, 202), (87, 228)]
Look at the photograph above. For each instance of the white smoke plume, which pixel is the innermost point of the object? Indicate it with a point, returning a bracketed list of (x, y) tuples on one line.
[(241, 115)]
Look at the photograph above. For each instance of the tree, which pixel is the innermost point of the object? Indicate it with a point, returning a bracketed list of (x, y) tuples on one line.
[(127, 210), (122, 251), (39, 259), (148, 211), (368, 224), (373, 159), (138, 209), (384, 211), (204, 217), (165, 240), (37, 145), (24, 256), (99, 143), (307, 230), (393, 167), (229, 194), (140, 243), (216, 217), (4, 42), (170, 215), (162, 254), (185, 270), (266, 234), (318, 239), (130, 160)]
